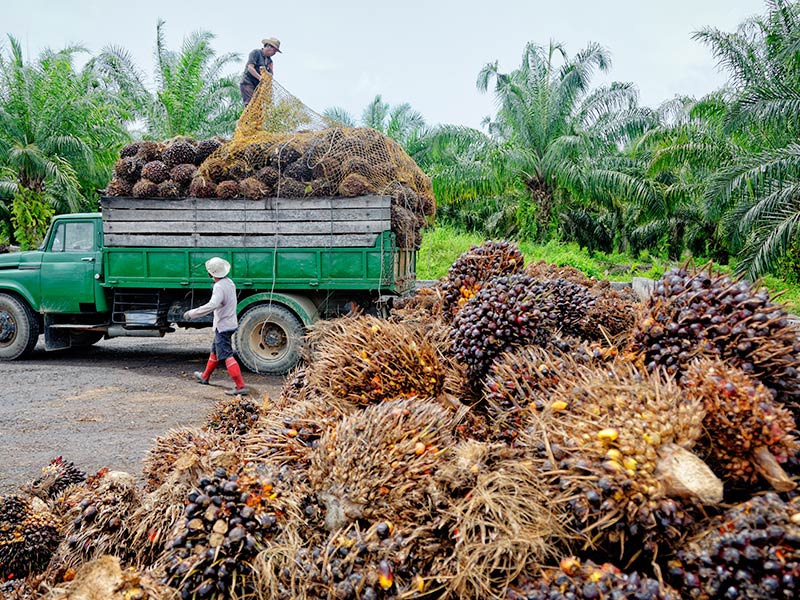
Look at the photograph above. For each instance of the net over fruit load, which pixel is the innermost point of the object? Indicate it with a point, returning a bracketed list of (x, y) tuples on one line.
[(282, 149)]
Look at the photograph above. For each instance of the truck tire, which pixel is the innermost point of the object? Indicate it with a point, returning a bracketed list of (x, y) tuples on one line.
[(269, 339), (19, 328)]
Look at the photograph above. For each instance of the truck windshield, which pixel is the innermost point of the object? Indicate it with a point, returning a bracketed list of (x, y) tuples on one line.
[(73, 237)]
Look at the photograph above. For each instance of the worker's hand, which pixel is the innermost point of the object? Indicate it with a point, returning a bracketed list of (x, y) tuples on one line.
[(187, 316)]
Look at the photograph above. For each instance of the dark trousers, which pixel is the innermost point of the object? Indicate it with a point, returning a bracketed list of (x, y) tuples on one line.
[(222, 347), (247, 90)]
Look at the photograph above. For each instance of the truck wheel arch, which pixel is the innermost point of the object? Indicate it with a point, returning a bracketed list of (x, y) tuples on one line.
[(19, 327), (269, 339)]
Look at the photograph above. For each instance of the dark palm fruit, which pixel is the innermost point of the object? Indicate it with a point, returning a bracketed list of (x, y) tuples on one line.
[(268, 176), (240, 170), (476, 266), (56, 477), (703, 314), (750, 551), (129, 168), (353, 185), (282, 155), (149, 151), (257, 155), (168, 189), (586, 580), (118, 187), (28, 537), (290, 188), (298, 170), (211, 553), (129, 150), (144, 188), (748, 435), (179, 153), (508, 312), (156, 171), (228, 189), (182, 174), (616, 459), (234, 417), (202, 188), (252, 188), (204, 149)]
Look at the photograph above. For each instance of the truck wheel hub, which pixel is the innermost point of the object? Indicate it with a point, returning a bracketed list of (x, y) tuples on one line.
[(272, 337), (8, 328)]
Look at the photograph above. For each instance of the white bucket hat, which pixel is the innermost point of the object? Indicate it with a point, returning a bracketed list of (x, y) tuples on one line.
[(218, 267)]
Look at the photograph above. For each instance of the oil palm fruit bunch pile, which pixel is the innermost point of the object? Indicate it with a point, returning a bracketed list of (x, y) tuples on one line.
[(374, 464), (509, 312), (378, 562), (151, 169), (227, 520), (617, 457), (586, 580), (95, 521), (233, 417), (750, 551), (58, 476), (748, 435), (470, 272), (612, 315), (29, 535), (704, 314), (365, 360), (105, 578)]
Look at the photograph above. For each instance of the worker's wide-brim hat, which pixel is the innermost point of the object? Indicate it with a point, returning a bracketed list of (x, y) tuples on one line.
[(274, 42), (218, 267)]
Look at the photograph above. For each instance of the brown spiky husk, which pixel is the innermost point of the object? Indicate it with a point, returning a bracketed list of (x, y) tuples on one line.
[(202, 188), (58, 476), (252, 188), (366, 360), (119, 187), (144, 188), (105, 578), (613, 447), (375, 464), (190, 444), (354, 184), (544, 270), (169, 189), (228, 189), (742, 420)]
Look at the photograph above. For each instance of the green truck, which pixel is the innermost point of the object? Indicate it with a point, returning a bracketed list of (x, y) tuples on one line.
[(134, 268)]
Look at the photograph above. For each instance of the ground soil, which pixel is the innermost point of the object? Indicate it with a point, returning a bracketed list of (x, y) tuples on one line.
[(102, 406)]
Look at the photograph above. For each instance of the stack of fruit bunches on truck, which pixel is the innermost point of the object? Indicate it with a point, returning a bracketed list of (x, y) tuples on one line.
[(513, 431)]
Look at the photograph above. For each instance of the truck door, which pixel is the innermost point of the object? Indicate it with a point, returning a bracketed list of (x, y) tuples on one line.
[(69, 264)]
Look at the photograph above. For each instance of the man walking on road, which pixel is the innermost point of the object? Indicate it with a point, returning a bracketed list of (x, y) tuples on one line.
[(260, 57), (223, 305)]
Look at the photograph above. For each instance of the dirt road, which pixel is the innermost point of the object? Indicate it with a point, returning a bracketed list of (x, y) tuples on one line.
[(102, 406)]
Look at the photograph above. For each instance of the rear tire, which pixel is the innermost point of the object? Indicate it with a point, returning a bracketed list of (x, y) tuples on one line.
[(19, 328), (269, 339)]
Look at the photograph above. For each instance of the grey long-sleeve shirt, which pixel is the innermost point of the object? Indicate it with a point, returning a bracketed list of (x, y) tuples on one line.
[(222, 303)]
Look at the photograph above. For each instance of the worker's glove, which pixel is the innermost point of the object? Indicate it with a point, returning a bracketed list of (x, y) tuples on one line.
[(187, 316)]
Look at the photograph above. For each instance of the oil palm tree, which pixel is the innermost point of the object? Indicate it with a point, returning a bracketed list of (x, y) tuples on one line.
[(59, 135), (193, 96)]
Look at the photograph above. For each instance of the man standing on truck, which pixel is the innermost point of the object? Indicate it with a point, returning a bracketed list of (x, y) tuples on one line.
[(260, 57), (223, 305)]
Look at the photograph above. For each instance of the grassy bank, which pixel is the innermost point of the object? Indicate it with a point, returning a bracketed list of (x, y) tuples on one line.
[(442, 245)]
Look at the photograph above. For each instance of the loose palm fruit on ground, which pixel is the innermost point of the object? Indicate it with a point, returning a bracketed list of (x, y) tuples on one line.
[(703, 314), (751, 551), (474, 268), (613, 445), (747, 434), (28, 537), (578, 580)]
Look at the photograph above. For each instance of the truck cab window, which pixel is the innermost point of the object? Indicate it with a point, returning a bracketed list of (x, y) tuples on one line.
[(73, 237)]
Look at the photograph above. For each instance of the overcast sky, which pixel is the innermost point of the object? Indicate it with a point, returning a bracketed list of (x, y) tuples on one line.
[(423, 52)]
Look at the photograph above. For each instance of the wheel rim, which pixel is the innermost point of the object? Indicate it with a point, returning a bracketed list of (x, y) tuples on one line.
[(8, 328), (269, 341)]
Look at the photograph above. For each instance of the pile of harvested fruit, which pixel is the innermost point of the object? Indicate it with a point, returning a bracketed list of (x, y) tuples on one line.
[(511, 433)]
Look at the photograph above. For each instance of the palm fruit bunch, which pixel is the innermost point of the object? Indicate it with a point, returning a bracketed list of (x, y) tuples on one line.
[(544, 270), (56, 478), (572, 303), (474, 268), (748, 434), (612, 315), (228, 519), (95, 521), (704, 314), (182, 443), (350, 564), (29, 535), (613, 445), (365, 360), (586, 580), (750, 551), (498, 520), (233, 417), (105, 578), (509, 312), (374, 465), (522, 380)]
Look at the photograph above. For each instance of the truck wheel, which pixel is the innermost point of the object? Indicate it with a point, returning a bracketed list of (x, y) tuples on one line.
[(269, 339), (19, 328)]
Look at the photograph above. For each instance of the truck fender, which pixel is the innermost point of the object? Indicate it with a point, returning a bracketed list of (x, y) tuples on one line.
[(303, 307), (23, 293)]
